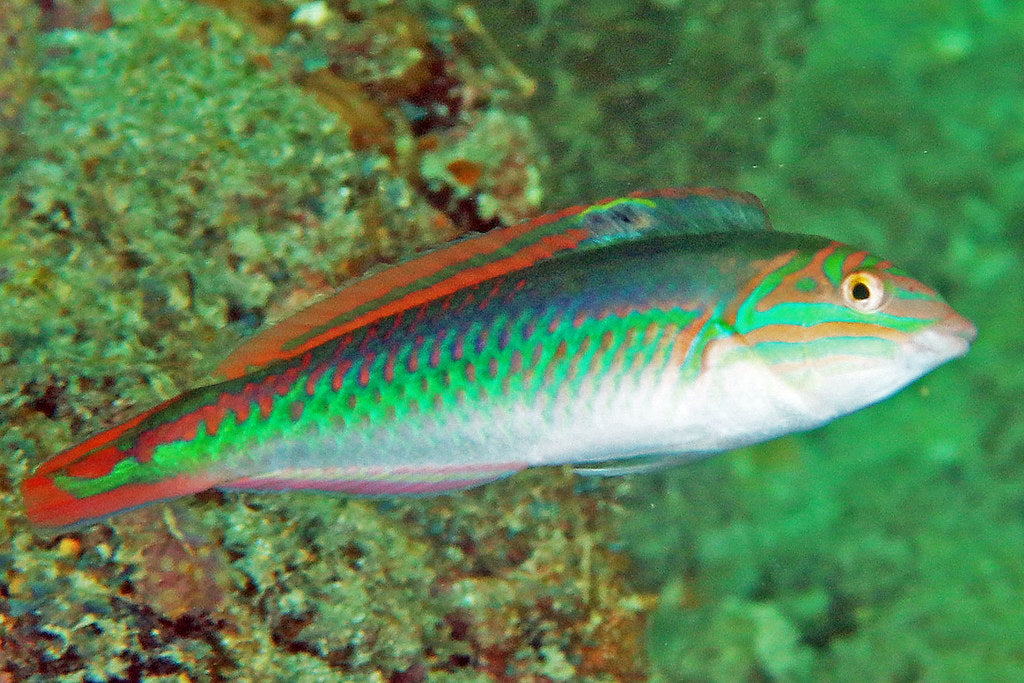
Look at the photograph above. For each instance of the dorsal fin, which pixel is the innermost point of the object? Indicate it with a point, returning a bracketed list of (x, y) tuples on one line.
[(467, 261), (684, 211)]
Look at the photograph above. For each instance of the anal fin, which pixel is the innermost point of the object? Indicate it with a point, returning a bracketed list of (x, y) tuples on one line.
[(376, 481)]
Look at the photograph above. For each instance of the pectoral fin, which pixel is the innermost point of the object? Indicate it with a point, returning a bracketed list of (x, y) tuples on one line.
[(634, 465)]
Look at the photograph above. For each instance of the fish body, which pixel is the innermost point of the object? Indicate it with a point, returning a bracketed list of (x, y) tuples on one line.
[(673, 324)]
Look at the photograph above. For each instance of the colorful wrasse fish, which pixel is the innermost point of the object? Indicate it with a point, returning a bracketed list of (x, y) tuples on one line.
[(653, 328)]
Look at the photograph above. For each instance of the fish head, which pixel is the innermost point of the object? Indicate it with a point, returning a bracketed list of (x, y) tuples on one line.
[(836, 328)]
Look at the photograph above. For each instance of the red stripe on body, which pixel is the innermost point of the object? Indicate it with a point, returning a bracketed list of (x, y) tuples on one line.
[(787, 290), (853, 261), (769, 267), (270, 345)]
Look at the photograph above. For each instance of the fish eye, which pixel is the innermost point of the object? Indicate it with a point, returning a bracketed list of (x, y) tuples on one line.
[(863, 291)]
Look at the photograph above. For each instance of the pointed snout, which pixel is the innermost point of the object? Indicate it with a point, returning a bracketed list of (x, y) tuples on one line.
[(949, 337)]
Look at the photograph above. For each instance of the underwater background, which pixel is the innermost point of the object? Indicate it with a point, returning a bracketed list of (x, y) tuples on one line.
[(173, 174)]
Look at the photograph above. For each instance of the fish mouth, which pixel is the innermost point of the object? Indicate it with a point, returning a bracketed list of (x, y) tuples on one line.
[(949, 337)]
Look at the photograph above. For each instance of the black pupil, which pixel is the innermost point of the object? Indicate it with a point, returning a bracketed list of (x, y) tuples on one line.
[(861, 291)]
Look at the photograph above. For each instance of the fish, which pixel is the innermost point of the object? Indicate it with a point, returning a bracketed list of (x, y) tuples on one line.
[(635, 333)]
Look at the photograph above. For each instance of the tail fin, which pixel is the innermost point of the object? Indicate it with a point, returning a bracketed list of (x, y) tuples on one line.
[(99, 477)]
